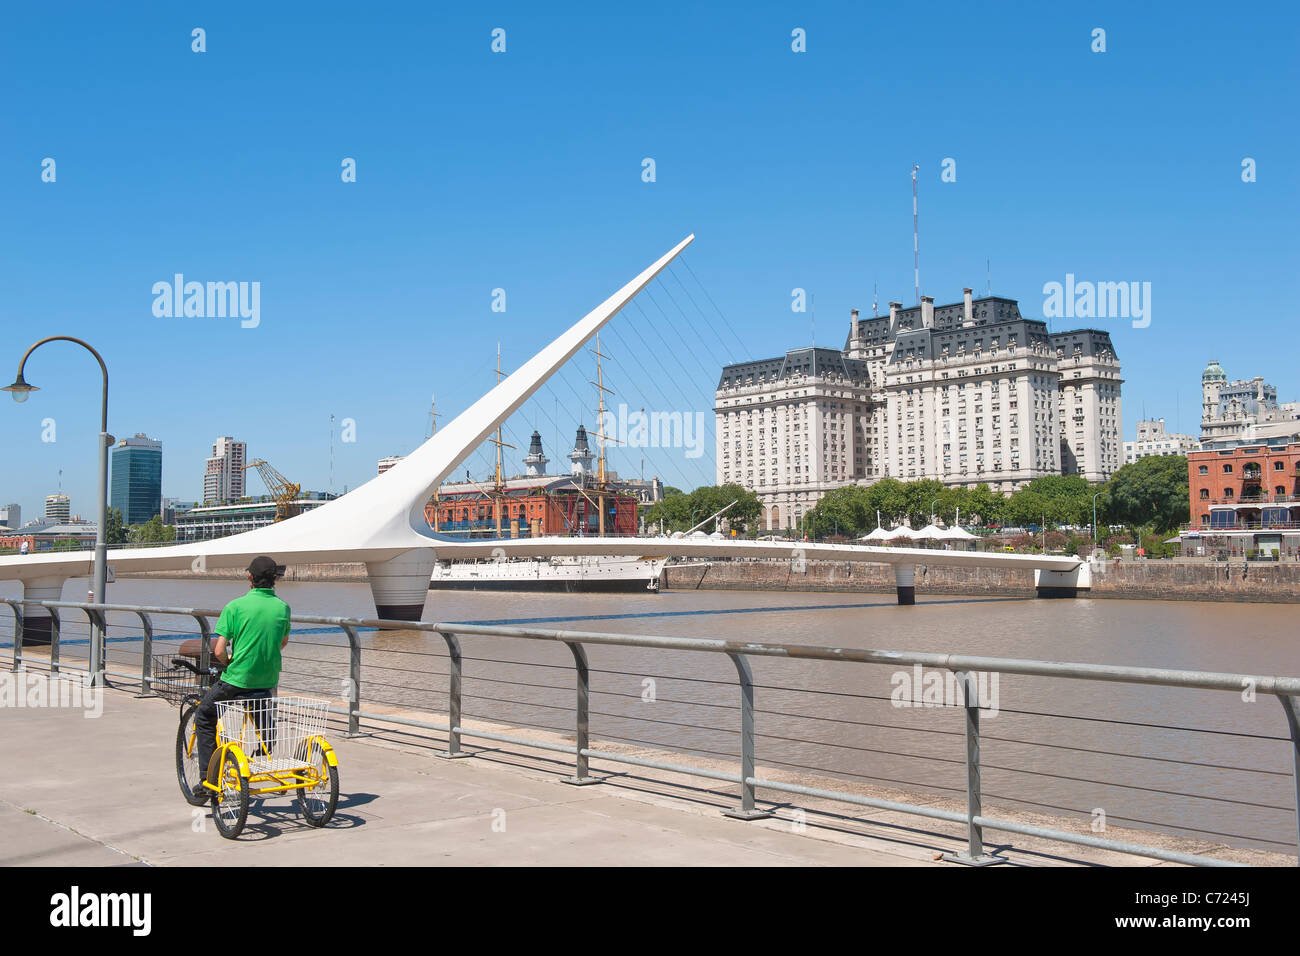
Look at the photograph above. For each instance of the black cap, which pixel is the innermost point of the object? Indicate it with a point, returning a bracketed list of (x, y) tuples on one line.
[(263, 566)]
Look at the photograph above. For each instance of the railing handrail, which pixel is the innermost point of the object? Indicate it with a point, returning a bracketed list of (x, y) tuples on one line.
[(963, 667), (1167, 677)]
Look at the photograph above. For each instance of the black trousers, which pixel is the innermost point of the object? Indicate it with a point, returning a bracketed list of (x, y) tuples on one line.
[(205, 719)]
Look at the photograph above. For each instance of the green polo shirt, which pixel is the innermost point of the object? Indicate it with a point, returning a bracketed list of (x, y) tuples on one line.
[(253, 626)]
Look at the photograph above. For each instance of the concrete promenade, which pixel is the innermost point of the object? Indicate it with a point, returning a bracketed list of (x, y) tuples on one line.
[(78, 791)]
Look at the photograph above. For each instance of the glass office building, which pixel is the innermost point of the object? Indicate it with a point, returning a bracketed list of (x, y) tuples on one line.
[(137, 479)]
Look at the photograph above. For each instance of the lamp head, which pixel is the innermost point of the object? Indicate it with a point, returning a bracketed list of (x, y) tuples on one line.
[(20, 389)]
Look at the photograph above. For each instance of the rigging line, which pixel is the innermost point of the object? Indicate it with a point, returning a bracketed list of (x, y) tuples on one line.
[(668, 323), (692, 325), (667, 347), (683, 390), (682, 260), (649, 432), (697, 463), (725, 350)]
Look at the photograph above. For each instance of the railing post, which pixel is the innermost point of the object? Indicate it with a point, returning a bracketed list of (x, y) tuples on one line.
[(582, 717), (354, 680), (205, 644), (1292, 707), (96, 622), (55, 627), (974, 855), (453, 699), (747, 810), (17, 608), (146, 651)]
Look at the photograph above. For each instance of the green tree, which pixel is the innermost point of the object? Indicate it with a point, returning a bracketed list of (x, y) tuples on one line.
[(842, 511), (1151, 490), (921, 495), (114, 531), (889, 497), (984, 504), (742, 516), (152, 530), (681, 511)]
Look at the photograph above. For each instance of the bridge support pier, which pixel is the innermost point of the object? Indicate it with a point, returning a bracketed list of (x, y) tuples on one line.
[(400, 585), (1064, 584), (905, 581), (37, 626)]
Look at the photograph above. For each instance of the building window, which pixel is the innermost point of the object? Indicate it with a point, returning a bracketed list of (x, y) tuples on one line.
[(1203, 470), (1205, 494), (1227, 469)]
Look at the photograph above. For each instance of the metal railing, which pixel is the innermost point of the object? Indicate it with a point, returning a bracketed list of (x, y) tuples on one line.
[(963, 667)]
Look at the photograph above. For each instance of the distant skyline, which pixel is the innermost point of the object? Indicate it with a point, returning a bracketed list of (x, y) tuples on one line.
[(499, 196)]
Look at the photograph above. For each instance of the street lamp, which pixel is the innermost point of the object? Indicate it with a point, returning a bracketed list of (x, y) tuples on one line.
[(932, 504), (1094, 518), (20, 390)]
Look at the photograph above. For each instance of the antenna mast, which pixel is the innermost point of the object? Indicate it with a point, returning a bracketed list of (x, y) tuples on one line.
[(331, 453), (916, 248)]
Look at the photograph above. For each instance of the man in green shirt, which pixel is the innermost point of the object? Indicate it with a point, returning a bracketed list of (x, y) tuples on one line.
[(251, 632)]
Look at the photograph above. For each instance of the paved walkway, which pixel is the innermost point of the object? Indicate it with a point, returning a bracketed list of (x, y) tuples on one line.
[(103, 792)]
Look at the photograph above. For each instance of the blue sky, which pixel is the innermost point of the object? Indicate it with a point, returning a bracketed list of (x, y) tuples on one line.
[(522, 170)]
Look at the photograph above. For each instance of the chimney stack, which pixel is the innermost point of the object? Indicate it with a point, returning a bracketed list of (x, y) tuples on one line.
[(968, 315), (856, 330), (893, 313), (927, 311)]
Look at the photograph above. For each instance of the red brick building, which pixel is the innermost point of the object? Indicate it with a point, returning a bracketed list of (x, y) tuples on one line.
[(530, 507), (1247, 486)]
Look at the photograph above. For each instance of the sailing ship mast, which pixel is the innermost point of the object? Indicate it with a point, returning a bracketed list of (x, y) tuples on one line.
[(600, 434), (498, 484)]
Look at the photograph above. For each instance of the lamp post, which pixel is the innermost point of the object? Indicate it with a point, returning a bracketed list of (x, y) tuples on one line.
[(1094, 518), (19, 390)]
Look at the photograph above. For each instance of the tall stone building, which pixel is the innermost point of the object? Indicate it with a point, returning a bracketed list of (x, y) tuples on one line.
[(1231, 412), (223, 476), (963, 393)]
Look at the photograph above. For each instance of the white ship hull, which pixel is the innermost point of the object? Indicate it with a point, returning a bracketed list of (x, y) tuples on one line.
[(570, 574)]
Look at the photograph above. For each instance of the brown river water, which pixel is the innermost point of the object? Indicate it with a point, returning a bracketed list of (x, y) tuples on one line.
[(1202, 764)]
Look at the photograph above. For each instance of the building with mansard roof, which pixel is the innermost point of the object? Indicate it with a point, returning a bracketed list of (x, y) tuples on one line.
[(967, 393)]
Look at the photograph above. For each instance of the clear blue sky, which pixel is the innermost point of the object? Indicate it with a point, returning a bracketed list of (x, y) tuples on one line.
[(522, 171)]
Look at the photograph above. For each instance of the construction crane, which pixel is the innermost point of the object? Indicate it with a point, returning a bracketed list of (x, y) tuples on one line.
[(281, 488)]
